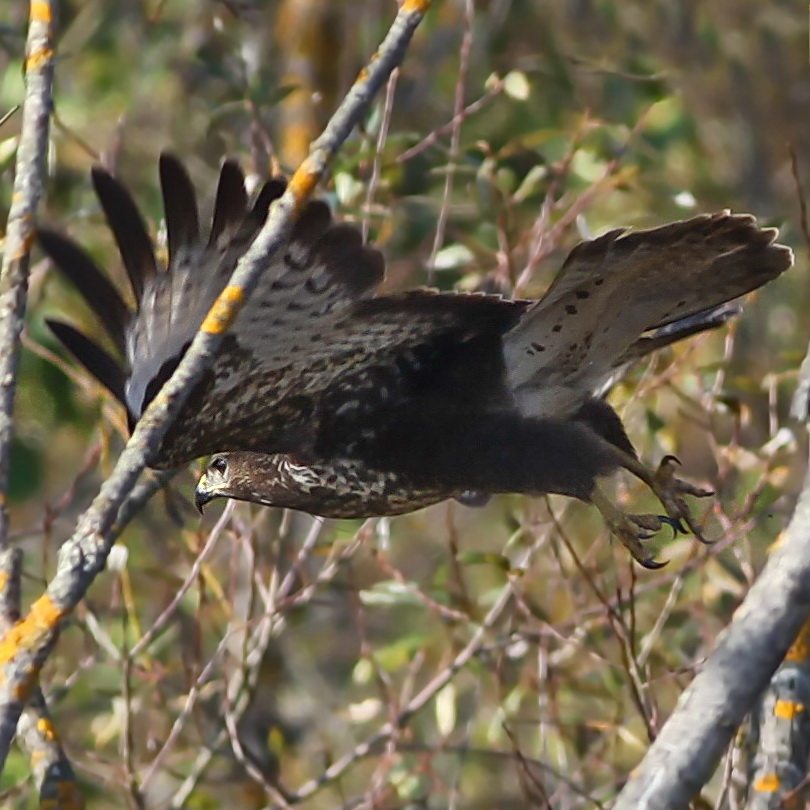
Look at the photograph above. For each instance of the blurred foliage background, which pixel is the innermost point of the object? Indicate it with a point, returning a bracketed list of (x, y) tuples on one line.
[(513, 130)]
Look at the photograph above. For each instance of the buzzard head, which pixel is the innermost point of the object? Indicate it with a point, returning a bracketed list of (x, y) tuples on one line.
[(213, 482), (256, 477)]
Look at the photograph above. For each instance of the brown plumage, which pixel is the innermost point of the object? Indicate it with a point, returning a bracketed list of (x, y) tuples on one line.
[(327, 399)]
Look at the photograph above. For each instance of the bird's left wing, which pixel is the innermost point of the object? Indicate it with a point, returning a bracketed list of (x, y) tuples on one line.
[(614, 289), (309, 323)]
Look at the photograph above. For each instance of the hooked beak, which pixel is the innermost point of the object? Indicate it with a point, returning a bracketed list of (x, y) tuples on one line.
[(202, 494)]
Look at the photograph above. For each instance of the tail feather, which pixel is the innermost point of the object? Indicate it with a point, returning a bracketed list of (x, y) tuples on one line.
[(673, 332), (128, 229), (230, 205), (612, 292), (96, 289), (179, 206), (268, 193), (323, 270), (105, 368)]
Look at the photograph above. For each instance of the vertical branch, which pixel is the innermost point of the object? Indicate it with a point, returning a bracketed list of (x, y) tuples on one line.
[(28, 181), (52, 771)]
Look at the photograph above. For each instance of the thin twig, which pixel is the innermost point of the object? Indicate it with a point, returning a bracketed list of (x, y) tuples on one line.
[(495, 90), (426, 694), (455, 138)]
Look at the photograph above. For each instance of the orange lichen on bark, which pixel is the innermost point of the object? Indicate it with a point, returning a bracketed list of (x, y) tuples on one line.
[(800, 649), (41, 620), (40, 11), (416, 5), (46, 729), (303, 183), (37, 58), (225, 309), (767, 783), (787, 709)]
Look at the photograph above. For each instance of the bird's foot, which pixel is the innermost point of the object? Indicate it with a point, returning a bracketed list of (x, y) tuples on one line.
[(654, 523), (632, 529), (670, 490)]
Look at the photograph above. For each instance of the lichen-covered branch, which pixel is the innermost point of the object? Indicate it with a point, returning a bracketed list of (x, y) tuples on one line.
[(28, 182), (779, 744), (26, 646), (51, 768)]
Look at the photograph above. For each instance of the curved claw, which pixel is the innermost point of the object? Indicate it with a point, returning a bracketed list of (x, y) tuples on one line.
[(676, 524), (632, 530), (670, 458), (652, 564)]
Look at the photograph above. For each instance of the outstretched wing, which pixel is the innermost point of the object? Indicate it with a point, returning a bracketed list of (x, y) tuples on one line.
[(324, 269), (305, 326), (614, 289)]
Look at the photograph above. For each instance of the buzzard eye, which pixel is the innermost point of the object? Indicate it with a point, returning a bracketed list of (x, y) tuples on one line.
[(219, 465)]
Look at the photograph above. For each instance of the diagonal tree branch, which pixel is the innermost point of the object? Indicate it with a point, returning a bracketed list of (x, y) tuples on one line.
[(687, 751), (26, 646)]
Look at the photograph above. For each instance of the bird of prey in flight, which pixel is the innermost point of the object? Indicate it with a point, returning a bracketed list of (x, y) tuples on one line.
[(329, 399)]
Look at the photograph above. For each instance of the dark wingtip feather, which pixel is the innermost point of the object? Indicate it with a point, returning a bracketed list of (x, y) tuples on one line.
[(313, 221), (230, 206), (179, 205), (128, 228), (93, 357), (358, 267), (94, 286), (269, 192)]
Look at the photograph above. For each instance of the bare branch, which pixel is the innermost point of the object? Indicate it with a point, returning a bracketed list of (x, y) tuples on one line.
[(777, 766), (52, 771), (28, 181)]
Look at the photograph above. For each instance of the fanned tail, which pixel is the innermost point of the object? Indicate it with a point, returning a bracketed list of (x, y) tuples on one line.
[(323, 270)]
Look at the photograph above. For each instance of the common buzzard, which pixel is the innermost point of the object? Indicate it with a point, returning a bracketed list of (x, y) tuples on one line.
[(327, 399)]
